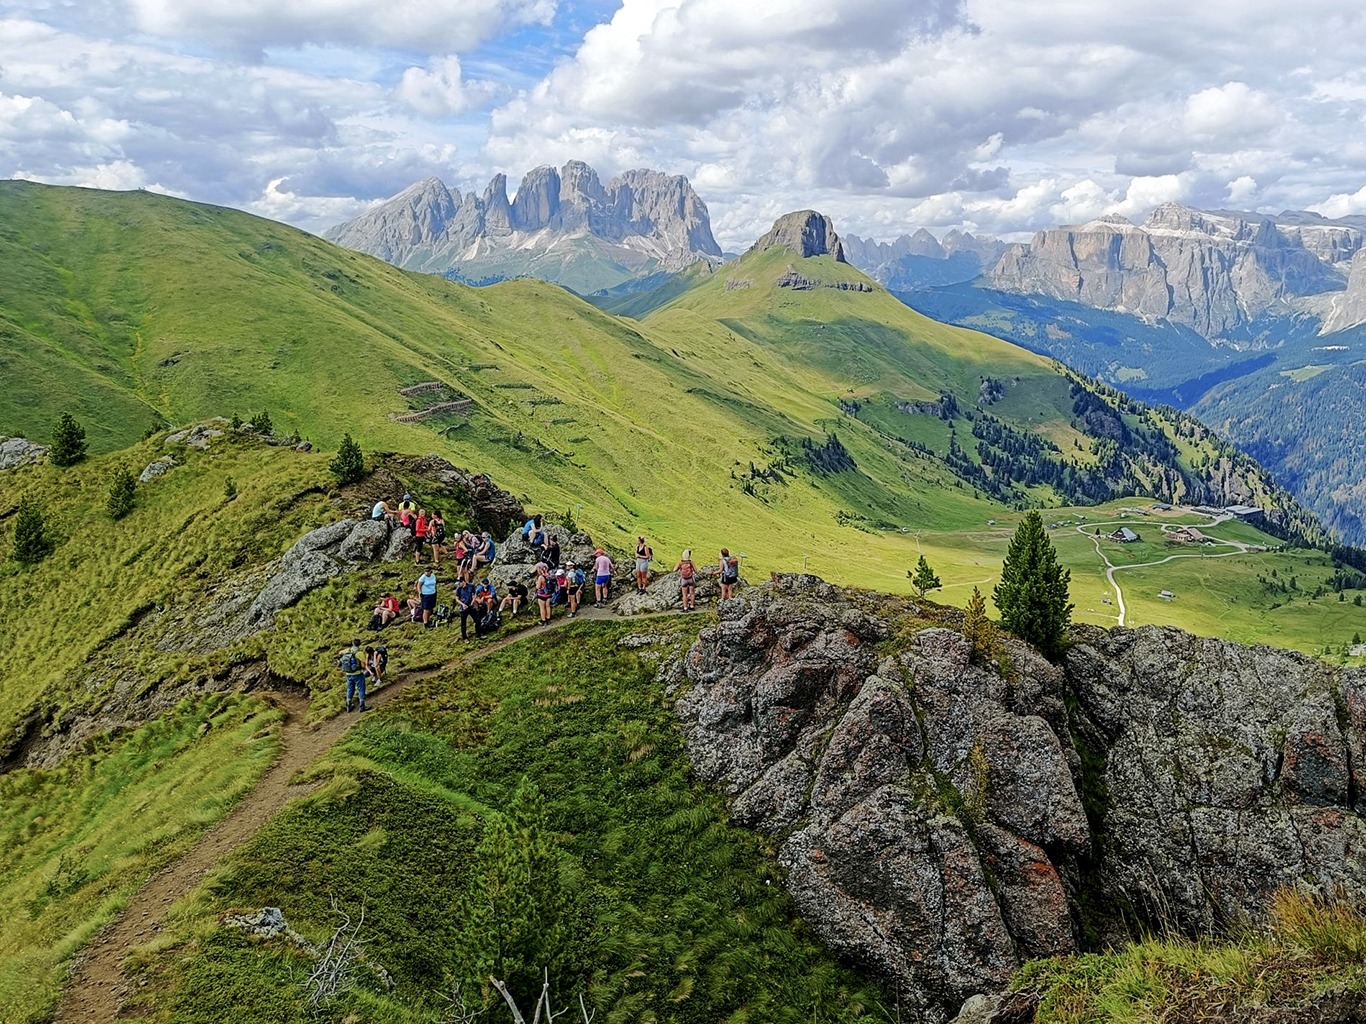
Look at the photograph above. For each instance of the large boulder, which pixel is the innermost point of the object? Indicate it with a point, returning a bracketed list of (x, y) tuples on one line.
[(366, 541), (20, 451), (199, 435), (576, 547), (156, 468), (296, 577), (665, 593), (490, 508)]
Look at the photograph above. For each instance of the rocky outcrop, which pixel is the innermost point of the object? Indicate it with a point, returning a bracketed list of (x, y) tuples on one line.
[(474, 495), (920, 260), (156, 468), (1214, 272), (932, 814), (199, 435), (806, 232), (1348, 308), (640, 218), (20, 451)]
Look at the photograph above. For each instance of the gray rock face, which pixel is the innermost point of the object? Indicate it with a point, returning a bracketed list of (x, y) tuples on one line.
[(199, 435), (929, 812), (919, 259), (156, 469), (806, 232), (1214, 272), (1228, 770), (642, 220), (490, 508), (1348, 308), (20, 451)]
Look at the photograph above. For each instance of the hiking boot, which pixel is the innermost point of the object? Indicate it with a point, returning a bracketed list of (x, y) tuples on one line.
[(348, 705), (363, 706)]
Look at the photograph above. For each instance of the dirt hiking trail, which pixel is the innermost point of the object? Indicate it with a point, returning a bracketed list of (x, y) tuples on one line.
[(97, 988)]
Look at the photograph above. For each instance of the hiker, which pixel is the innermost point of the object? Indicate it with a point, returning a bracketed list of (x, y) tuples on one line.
[(419, 535), (376, 661), (385, 612), (544, 589), (730, 574), (575, 580), (426, 588), (560, 595), (516, 597), (349, 661), (602, 579), (407, 513), (436, 536), (489, 618), (414, 608), (464, 597), (534, 532), (552, 553), (382, 511), (643, 558), (687, 581), (485, 553)]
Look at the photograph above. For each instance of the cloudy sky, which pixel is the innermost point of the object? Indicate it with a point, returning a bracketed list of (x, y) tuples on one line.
[(998, 115)]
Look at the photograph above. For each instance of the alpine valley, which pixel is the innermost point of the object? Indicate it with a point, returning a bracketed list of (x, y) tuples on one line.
[(824, 799)]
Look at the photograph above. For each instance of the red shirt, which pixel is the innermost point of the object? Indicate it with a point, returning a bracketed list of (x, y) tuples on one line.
[(390, 604), (422, 526)]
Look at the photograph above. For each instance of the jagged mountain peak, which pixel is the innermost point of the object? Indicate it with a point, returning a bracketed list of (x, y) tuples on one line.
[(806, 232), (562, 225)]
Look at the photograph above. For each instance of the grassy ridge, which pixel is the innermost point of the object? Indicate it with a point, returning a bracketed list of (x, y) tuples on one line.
[(674, 914)]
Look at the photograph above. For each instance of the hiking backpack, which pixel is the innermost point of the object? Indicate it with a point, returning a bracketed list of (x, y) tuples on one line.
[(438, 532), (382, 654), (349, 663), (442, 613)]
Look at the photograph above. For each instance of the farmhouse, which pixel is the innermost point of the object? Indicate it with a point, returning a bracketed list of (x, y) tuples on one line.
[(1124, 535), (1185, 534), (1247, 513)]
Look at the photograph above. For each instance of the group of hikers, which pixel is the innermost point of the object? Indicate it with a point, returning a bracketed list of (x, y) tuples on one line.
[(477, 602)]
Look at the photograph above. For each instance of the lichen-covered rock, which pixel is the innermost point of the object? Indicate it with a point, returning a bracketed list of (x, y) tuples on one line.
[(20, 451), (665, 593), (199, 435), (156, 469), (366, 541), (1227, 770), (574, 547), (297, 576)]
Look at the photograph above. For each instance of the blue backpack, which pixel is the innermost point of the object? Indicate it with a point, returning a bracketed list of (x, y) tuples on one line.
[(350, 664)]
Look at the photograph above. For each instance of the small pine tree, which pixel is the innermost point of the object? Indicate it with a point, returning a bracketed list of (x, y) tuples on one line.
[(31, 543), (977, 628), (229, 489), (1032, 594), (122, 491), (923, 578), (235, 422), (261, 423), (68, 442), (569, 524), (1357, 600), (349, 465), (1356, 639), (513, 913)]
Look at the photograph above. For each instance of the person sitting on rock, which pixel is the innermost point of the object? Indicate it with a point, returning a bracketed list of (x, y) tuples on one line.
[(643, 558), (534, 532), (351, 662), (516, 597), (730, 574), (384, 612), (552, 552), (489, 618), (484, 554), (574, 581), (687, 581), (382, 511), (602, 578)]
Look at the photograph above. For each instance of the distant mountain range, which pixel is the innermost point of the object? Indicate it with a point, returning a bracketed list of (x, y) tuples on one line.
[(1256, 323), (562, 226)]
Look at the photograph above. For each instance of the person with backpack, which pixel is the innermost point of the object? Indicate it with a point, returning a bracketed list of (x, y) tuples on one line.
[(426, 589), (545, 589), (489, 617), (464, 597), (420, 525), (687, 581), (353, 667), (385, 612), (552, 553), (436, 536), (602, 578), (376, 661), (730, 574), (574, 581)]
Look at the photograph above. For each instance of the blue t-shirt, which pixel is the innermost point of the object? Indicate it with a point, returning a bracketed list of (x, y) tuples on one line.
[(428, 582), (464, 593)]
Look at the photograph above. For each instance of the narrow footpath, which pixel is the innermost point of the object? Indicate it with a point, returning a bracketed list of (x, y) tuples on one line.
[(97, 987)]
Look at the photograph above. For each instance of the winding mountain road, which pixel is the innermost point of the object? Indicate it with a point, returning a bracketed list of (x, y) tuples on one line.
[(1110, 568)]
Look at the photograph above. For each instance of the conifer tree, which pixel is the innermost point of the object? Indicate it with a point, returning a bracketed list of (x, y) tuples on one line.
[(977, 628), (512, 913), (261, 423), (349, 465), (68, 442), (923, 578), (31, 544), (122, 490), (1032, 594)]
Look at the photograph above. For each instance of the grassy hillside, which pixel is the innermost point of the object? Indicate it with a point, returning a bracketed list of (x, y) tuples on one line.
[(704, 424)]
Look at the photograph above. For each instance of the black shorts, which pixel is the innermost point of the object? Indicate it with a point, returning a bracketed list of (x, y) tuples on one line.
[(428, 602)]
